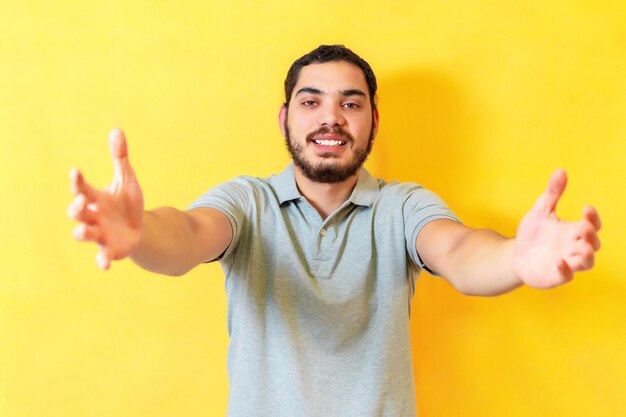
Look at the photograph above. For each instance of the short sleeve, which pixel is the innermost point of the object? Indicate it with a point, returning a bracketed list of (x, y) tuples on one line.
[(422, 206), (231, 198)]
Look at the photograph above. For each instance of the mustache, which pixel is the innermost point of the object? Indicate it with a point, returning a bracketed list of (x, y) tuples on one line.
[(324, 130)]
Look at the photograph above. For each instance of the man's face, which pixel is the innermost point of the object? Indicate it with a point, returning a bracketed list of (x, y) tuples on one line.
[(329, 125)]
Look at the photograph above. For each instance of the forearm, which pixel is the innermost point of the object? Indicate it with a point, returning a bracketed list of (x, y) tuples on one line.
[(482, 263), (170, 242), (545, 253)]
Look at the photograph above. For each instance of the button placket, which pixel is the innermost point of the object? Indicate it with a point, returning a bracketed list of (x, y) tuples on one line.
[(323, 244)]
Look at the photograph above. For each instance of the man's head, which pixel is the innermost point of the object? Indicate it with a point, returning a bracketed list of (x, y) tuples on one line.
[(329, 117), (330, 53)]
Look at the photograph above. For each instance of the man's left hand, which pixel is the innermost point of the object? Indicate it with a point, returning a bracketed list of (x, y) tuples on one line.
[(548, 250)]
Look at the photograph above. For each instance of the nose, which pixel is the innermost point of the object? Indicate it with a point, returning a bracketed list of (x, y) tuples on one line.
[(331, 115)]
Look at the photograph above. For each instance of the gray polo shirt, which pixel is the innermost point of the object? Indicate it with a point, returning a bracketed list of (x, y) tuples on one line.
[(318, 310)]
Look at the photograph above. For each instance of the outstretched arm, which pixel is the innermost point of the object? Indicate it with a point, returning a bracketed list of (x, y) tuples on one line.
[(545, 253), (165, 240)]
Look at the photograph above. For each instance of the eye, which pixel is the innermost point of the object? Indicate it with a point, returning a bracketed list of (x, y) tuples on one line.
[(350, 106), (309, 103)]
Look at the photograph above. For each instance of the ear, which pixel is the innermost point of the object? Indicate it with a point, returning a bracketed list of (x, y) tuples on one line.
[(282, 118), (375, 116)]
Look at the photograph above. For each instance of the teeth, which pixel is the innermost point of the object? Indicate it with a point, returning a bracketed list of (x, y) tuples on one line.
[(329, 142)]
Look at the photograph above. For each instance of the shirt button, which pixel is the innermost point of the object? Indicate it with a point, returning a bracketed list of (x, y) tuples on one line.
[(323, 232)]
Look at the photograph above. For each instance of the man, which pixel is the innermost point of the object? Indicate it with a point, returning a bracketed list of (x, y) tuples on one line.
[(320, 260)]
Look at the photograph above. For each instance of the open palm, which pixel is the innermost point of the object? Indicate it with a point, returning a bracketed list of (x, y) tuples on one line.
[(548, 250), (111, 217)]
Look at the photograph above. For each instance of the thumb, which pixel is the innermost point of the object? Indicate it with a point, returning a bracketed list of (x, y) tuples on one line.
[(119, 153), (556, 186)]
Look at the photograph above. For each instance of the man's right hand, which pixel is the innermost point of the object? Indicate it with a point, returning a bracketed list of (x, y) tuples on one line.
[(111, 217)]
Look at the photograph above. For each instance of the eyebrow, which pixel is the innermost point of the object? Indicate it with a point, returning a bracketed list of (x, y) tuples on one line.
[(309, 90), (352, 92), (345, 93)]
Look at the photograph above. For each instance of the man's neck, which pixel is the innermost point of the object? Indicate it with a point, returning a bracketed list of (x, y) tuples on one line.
[(324, 197)]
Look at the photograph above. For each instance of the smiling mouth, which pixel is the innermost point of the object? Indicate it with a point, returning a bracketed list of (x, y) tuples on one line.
[(329, 142), (330, 137)]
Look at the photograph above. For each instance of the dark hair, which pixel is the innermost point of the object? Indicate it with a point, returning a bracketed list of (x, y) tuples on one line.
[(330, 53)]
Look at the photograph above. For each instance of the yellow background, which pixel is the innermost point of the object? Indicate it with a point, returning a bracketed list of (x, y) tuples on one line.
[(479, 100)]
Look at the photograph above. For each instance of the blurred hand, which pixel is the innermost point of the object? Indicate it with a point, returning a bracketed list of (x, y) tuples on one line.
[(548, 250), (111, 217)]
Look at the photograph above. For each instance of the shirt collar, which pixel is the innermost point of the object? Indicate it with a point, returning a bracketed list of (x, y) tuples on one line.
[(285, 185), (364, 193), (366, 189)]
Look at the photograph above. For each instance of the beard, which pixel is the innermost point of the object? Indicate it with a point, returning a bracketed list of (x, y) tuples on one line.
[(328, 171)]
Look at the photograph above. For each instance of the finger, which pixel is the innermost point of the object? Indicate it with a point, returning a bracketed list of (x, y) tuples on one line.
[(582, 262), (81, 211), (587, 234), (78, 204), (583, 248), (119, 152), (556, 186), (564, 271), (592, 240), (584, 231), (595, 242), (87, 233), (591, 215), (590, 243), (104, 257), (78, 185)]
